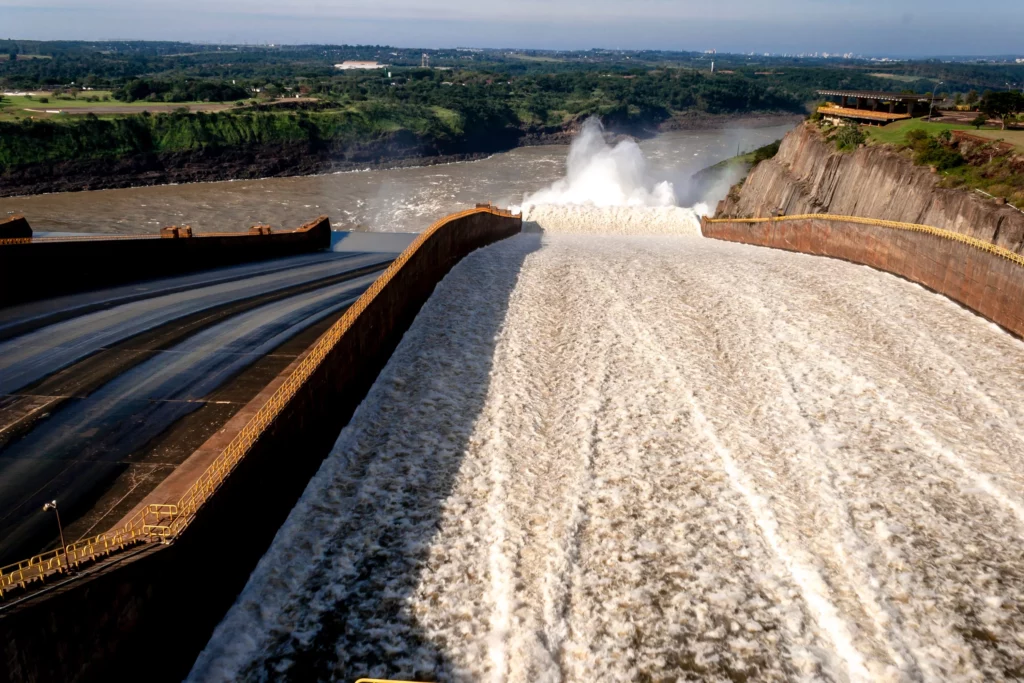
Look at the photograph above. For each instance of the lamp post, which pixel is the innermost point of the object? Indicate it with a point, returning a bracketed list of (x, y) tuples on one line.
[(52, 505), (932, 105)]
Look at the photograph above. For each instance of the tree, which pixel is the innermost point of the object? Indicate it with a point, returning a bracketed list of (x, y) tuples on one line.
[(972, 98), (959, 99), (1002, 105), (979, 121)]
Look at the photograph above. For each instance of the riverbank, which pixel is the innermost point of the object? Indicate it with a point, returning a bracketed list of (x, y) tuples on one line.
[(401, 149)]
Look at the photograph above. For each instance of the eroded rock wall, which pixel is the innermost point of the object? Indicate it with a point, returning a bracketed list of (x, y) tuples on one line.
[(808, 175)]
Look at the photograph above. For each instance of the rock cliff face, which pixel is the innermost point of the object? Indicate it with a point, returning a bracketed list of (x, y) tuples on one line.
[(808, 175)]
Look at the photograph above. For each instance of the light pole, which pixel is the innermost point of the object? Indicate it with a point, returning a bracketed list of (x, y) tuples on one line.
[(52, 505), (932, 105)]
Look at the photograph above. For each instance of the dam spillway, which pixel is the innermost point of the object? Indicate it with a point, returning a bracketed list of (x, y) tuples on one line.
[(644, 457), (596, 451)]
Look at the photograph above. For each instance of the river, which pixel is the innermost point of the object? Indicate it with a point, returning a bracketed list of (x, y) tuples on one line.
[(395, 200)]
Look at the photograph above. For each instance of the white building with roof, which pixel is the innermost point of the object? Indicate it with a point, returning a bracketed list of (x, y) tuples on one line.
[(352, 65)]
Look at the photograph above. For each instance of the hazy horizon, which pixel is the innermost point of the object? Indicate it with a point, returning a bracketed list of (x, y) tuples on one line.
[(904, 28)]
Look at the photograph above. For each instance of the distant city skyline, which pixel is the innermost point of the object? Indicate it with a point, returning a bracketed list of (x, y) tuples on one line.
[(897, 28)]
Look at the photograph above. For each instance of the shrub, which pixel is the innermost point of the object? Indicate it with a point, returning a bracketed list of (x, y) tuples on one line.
[(44, 100), (915, 136), (937, 151), (849, 138), (766, 152)]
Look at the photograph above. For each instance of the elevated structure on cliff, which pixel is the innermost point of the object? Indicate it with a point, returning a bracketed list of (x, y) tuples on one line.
[(870, 106)]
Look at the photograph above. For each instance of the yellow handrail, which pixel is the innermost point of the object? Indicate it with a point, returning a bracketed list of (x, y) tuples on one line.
[(895, 225), (166, 520), (214, 476), (61, 559)]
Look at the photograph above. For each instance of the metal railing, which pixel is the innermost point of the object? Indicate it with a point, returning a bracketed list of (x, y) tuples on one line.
[(139, 529), (894, 225), (163, 522)]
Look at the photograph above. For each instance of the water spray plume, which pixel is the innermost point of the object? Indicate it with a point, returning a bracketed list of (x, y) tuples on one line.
[(608, 189), (599, 174)]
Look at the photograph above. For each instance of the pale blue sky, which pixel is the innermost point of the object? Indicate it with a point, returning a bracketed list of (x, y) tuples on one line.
[(892, 27)]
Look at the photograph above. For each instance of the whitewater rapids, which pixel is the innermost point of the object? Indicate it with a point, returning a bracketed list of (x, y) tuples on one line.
[(660, 458), (587, 219)]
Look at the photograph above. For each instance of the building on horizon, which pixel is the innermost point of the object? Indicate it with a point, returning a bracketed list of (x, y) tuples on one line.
[(352, 65)]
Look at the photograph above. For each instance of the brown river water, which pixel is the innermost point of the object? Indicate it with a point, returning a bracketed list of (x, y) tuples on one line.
[(395, 200)]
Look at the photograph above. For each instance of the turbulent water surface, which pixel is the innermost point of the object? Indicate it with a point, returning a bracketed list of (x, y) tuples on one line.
[(658, 458), (399, 200)]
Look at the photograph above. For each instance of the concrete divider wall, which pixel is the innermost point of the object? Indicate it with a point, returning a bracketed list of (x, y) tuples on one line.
[(985, 278), (41, 267), (15, 227), (151, 615)]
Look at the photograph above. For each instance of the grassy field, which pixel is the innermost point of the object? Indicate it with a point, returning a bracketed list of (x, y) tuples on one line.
[(534, 58), (4, 58), (903, 78), (21, 107), (54, 103), (1015, 137), (895, 133)]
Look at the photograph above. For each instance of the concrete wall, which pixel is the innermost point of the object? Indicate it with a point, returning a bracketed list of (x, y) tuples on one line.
[(150, 616), (48, 267), (986, 282), (15, 227)]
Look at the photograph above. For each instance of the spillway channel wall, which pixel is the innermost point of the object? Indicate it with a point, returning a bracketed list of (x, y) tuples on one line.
[(36, 268), (154, 612), (984, 277)]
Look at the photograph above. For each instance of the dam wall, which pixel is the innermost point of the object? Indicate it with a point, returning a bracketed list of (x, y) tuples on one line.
[(36, 268), (983, 277), (808, 175), (151, 608)]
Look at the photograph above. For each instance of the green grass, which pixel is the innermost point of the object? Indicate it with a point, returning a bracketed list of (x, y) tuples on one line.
[(67, 102), (1014, 137), (903, 78), (449, 117), (54, 103), (5, 57), (534, 58), (895, 133)]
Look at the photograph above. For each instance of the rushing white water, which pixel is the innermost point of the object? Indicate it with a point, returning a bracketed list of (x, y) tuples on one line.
[(616, 220), (633, 458), (608, 189), (600, 174), (617, 456)]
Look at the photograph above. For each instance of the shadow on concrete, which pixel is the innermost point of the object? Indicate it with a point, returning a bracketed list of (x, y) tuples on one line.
[(374, 561)]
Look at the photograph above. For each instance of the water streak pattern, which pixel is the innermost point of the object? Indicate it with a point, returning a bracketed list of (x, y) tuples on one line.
[(629, 458)]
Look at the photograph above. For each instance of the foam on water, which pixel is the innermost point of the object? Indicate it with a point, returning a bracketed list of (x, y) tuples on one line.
[(636, 457), (613, 220), (608, 189)]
